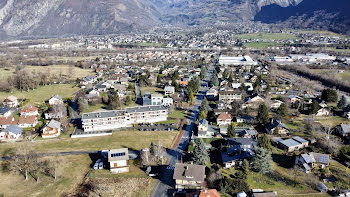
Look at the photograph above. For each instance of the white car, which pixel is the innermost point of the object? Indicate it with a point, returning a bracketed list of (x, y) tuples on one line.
[(96, 166), (100, 165)]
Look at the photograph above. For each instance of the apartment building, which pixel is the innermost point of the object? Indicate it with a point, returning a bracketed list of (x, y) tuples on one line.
[(110, 120), (230, 96)]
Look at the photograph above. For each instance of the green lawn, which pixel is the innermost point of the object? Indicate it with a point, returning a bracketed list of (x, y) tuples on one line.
[(131, 139), (331, 120), (173, 116), (261, 45), (266, 36), (95, 108), (152, 90), (42, 93)]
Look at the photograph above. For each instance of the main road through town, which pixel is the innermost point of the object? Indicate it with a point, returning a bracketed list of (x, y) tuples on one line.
[(165, 185)]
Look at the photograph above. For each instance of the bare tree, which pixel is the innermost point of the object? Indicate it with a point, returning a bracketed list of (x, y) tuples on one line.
[(23, 161)]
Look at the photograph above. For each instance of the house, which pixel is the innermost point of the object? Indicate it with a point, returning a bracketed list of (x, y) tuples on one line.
[(156, 99), (229, 96), (189, 176), (246, 132), (93, 92), (344, 130), (211, 93), (116, 119), (293, 98), (7, 121), (118, 160), (101, 88), (12, 132), (293, 144), (88, 80), (276, 127), (27, 121), (276, 104), (323, 112), (203, 193), (309, 161), (246, 119), (204, 130), (56, 111), (55, 100), (236, 150), (5, 111), (252, 101), (10, 101), (169, 90), (224, 119), (167, 101), (30, 111), (51, 129)]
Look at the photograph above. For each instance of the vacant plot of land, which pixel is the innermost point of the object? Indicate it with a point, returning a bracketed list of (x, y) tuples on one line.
[(152, 90), (70, 175), (286, 182), (68, 72), (42, 93), (173, 116), (331, 120), (129, 139), (267, 36)]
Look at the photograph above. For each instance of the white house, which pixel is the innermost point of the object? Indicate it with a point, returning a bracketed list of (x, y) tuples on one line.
[(51, 129), (56, 99), (12, 132), (7, 121), (169, 90), (27, 121), (167, 102), (224, 119), (156, 99), (323, 112), (276, 104), (5, 111), (11, 101), (30, 111), (118, 160)]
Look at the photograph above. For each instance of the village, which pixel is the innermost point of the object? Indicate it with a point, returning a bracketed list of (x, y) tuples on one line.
[(212, 119)]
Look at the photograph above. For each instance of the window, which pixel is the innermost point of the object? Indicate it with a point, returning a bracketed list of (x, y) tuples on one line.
[(118, 154)]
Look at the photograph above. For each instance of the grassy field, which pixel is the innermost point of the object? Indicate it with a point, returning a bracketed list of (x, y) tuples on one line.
[(152, 90), (42, 93), (131, 139), (72, 172), (266, 36), (331, 120), (173, 115), (261, 45), (344, 75), (68, 72), (284, 182)]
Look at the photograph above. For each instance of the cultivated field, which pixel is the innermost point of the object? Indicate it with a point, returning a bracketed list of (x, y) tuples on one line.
[(266, 36)]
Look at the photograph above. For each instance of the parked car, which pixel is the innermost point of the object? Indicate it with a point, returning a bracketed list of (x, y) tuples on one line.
[(100, 165), (96, 166)]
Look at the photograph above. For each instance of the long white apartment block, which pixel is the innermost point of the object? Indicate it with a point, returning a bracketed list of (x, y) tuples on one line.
[(111, 120)]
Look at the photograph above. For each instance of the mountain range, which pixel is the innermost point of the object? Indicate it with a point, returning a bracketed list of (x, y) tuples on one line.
[(21, 18)]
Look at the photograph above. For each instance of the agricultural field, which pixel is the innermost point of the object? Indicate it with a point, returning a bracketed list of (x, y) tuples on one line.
[(70, 175), (68, 72), (130, 139), (266, 36), (43, 93)]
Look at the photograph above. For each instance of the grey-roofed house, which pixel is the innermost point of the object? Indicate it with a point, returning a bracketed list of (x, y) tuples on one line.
[(12, 132), (51, 129), (55, 100), (302, 141), (344, 130), (169, 90), (204, 131), (5, 111), (246, 132), (309, 161), (189, 176), (118, 160), (290, 145), (235, 150), (276, 127)]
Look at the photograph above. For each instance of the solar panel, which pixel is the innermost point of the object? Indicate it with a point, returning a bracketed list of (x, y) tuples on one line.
[(308, 159), (323, 159), (117, 154)]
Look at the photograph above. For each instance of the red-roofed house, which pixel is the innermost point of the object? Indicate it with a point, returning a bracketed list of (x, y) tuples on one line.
[(224, 119), (7, 121), (29, 111), (27, 121)]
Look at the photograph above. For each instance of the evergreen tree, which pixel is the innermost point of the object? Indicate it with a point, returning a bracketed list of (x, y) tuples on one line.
[(176, 75), (190, 97), (214, 81), (315, 106), (342, 102), (151, 148), (205, 105), (263, 114), (283, 110), (225, 74), (264, 142), (114, 101), (217, 69), (230, 78), (262, 161), (203, 73), (159, 79), (245, 167), (329, 95), (231, 131), (202, 115), (200, 154)]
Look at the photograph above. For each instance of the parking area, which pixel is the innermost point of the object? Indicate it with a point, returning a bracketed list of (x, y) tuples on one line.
[(156, 127)]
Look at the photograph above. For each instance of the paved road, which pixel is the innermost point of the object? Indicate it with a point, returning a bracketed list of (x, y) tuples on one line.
[(165, 186)]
